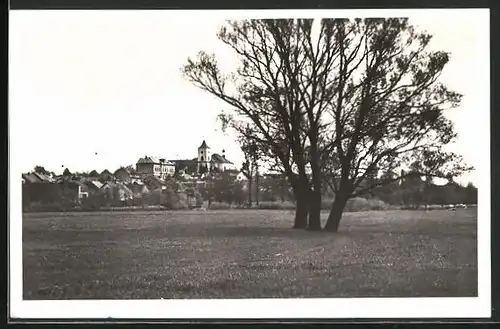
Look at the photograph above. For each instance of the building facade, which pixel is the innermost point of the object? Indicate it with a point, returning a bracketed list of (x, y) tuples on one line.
[(203, 157), (160, 168)]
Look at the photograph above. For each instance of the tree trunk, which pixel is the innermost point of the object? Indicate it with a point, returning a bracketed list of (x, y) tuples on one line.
[(302, 208), (257, 186), (336, 212), (315, 193), (314, 211), (250, 191)]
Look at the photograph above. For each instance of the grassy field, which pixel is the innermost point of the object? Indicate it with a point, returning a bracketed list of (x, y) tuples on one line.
[(248, 254)]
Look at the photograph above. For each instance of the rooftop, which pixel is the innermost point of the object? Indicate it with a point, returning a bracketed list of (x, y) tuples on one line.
[(154, 160), (220, 159), (204, 145)]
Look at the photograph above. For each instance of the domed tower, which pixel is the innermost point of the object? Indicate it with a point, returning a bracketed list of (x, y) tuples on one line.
[(203, 157)]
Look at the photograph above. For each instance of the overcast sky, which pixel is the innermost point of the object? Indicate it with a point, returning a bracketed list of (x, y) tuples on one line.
[(109, 82)]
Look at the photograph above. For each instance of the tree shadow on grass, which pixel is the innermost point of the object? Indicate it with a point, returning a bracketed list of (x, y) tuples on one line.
[(399, 232), (350, 231), (252, 231)]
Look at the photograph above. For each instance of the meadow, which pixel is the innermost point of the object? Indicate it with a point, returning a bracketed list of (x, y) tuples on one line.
[(247, 254)]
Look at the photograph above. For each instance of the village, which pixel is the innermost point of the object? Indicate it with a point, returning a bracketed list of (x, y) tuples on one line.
[(152, 180)]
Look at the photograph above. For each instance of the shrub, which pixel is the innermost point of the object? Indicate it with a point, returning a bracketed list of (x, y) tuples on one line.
[(44, 207), (219, 205), (360, 204), (95, 201), (287, 205), (176, 201)]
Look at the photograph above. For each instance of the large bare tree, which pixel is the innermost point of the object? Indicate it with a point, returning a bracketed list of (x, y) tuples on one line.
[(387, 107), (330, 101)]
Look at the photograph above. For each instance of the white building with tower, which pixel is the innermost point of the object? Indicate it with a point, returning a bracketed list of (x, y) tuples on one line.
[(208, 161), (203, 157)]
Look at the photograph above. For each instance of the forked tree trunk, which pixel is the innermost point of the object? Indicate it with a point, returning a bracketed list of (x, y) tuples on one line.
[(314, 211), (336, 212), (301, 209)]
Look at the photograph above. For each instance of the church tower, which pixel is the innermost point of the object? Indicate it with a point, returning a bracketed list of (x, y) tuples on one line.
[(203, 157)]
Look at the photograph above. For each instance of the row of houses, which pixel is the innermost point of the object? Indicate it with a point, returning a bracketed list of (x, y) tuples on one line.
[(38, 187)]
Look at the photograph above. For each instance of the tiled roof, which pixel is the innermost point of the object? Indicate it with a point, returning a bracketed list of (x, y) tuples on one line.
[(204, 145), (95, 183), (184, 161), (110, 184), (148, 180), (106, 172), (124, 188), (219, 159), (122, 169), (137, 188), (153, 160), (148, 159), (31, 178), (43, 178)]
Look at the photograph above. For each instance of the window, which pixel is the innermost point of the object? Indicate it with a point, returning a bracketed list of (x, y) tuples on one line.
[(202, 158)]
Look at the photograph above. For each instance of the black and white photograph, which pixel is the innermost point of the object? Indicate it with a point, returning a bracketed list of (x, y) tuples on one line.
[(249, 164)]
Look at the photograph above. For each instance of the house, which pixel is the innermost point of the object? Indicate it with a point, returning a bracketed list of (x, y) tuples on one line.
[(31, 178), (123, 174), (123, 192), (160, 168), (138, 189), (153, 182), (107, 185), (43, 177), (34, 177), (93, 175), (186, 166), (106, 176), (73, 190), (38, 188), (220, 163), (93, 186)]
